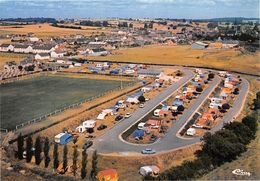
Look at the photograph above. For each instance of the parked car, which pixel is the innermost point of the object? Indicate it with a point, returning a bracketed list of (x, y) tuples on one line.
[(119, 118), (128, 115), (101, 127), (90, 136), (148, 151), (141, 105), (87, 145)]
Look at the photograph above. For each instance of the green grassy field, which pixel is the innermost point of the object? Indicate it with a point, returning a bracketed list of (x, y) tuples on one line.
[(28, 99)]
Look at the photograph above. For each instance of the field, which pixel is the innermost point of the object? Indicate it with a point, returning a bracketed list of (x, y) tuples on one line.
[(183, 55), (27, 99), (47, 31), (7, 57)]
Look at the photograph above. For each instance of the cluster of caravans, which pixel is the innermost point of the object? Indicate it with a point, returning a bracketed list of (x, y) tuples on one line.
[(207, 119)]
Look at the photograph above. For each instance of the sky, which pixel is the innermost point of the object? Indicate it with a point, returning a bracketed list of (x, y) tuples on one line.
[(193, 9)]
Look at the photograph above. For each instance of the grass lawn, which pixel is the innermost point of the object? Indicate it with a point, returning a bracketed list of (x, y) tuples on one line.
[(27, 99), (185, 55)]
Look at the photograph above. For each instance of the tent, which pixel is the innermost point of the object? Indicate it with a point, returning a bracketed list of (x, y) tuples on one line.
[(138, 133), (107, 175)]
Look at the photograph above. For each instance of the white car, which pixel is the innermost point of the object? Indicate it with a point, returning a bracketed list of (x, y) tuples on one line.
[(127, 115)]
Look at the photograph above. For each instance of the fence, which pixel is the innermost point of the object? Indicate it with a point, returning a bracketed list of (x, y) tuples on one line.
[(43, 117)]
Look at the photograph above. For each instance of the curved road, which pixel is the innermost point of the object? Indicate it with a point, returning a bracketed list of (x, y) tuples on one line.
[(111, 141)]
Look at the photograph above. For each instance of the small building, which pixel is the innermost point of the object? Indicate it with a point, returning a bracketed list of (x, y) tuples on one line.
[(146, 89), (107, 175), (42, 56), (63, 138), (98, 52), (199, 45), (153, 123), (146, 72)]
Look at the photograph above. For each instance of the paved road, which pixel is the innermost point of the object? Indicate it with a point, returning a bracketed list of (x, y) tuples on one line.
[(111, 142)]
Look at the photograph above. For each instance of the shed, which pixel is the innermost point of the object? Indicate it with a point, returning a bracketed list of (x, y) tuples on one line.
[(63, 138)]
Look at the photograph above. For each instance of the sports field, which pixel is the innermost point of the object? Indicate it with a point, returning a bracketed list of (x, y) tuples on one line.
[(28, 99)]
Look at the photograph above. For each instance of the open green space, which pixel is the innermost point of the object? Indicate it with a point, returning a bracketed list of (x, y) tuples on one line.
[(25, 100)]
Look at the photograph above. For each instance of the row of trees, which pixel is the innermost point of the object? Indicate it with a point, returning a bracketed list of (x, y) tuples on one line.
[(223, 146), (37, 150)]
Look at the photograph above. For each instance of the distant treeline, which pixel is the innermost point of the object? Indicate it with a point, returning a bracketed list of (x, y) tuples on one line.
[(35, 20), (94, 23), (65, 26)]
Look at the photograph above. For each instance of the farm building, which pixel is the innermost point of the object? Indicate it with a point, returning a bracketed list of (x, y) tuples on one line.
[(199, 45), (63, 138), (57, 54), (23, 48), (107, 175), (98, 52)]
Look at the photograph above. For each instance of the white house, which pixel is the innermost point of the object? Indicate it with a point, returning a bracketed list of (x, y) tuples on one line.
[(57, 54), (23, 49), (6, 48), (42, 56)]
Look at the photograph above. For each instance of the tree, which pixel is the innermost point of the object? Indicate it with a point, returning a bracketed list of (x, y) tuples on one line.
[(55, 156), (46, 152), (141, 98), (84, 163), (29, 145), (180, 108), (75, 159), (65, 159), (257, 101), (243, 133), (199, 89), (225, 106), (211, 76), (223, 146), (20, 142), (251, 123), (94, 164), (38, 151)]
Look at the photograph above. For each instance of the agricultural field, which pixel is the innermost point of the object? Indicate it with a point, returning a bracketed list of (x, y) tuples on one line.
[(24, 100), (48, 31), (7, 57), (230, 59)]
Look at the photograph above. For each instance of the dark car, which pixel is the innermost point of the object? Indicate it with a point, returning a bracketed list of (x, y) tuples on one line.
[(119, 118), (87, 145), (101, 127)]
